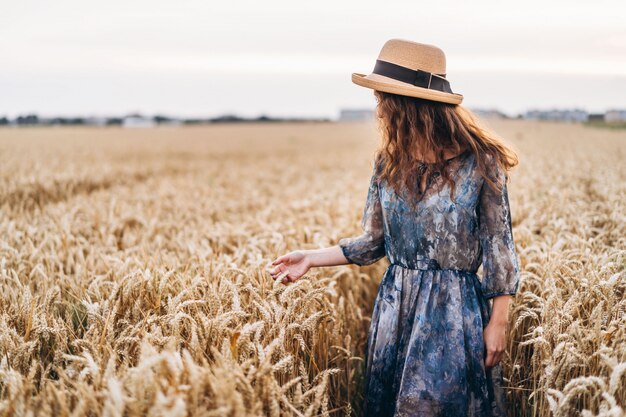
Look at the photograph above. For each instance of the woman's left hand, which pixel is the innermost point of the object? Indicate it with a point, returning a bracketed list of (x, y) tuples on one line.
[(495, 342)]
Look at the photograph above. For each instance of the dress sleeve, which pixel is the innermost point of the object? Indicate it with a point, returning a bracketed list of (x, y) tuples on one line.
[(501, 273), (369, 247)]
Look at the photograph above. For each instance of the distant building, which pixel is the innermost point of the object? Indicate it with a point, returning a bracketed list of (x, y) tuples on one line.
[(136, 120), (353, 115), (612, 116), (489, 113), (575, 115), (96, 121)]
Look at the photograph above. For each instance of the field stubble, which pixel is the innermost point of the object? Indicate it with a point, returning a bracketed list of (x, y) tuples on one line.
[(132, 270)]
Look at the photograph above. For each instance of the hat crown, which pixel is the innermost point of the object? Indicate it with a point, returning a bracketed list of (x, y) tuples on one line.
[(414, 55)]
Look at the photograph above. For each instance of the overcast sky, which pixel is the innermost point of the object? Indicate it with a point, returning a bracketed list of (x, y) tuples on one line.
[(295, 58)]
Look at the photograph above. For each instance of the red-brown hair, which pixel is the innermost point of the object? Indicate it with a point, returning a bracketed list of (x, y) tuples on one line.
[(411, 127)]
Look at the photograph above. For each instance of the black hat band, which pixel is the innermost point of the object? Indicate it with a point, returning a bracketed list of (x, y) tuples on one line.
[(418, 77)]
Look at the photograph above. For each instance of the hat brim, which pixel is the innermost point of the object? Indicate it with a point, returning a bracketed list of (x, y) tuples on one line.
[(389, 85)]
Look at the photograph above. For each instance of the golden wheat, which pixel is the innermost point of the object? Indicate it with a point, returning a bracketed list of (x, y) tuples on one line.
[(132, 270)]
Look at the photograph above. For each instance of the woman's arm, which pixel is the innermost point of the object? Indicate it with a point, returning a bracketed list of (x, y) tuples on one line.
[(330, 256), (500, 310), (501, 274), (495, 331), (293, 265)]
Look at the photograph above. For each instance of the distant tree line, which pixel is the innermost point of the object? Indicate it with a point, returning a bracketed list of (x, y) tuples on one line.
[(35, 120), (138, 120)]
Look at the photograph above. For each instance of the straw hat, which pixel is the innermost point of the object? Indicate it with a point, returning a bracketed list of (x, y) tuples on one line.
[(410, 69)]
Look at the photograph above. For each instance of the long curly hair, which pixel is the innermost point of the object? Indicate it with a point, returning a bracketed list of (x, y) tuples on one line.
[(412, 127)]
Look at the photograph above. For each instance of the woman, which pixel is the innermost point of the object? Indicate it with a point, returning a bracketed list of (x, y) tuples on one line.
[(437, 207)]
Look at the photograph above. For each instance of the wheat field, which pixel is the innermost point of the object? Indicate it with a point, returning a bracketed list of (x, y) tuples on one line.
[(133, 282)]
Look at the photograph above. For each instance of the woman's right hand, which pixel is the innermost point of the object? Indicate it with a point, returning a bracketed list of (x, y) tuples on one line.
[(290, 266)]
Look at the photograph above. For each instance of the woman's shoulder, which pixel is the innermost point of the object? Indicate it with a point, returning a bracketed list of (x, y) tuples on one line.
[(493, 174), (378, 163)]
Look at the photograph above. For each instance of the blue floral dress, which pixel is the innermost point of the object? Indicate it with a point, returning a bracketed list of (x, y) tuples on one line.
[(425, 348)]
